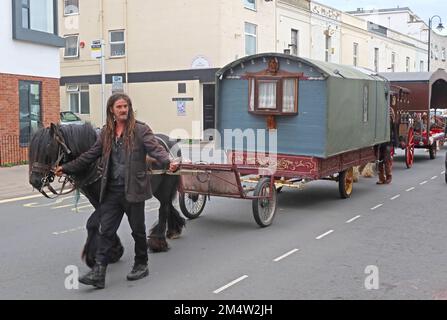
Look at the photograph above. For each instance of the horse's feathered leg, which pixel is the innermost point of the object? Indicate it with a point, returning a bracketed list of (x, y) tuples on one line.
[(176, 223), (156, 239)]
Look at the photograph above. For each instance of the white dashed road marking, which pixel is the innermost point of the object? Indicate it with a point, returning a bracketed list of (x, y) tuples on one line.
[(68, 231), (286, 255), (435, 177), (353, 219), (377, 207), (423, 182), (68, 205), (324, 235), (232, 283), (410, 189), (21, 198), (395, 197)]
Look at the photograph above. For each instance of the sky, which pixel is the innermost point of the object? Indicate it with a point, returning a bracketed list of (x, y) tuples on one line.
[(422, 8)]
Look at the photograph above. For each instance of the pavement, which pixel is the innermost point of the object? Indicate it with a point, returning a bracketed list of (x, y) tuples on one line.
[(14, 182)]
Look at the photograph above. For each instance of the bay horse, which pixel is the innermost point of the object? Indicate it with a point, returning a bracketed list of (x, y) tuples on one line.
[(59, 144)]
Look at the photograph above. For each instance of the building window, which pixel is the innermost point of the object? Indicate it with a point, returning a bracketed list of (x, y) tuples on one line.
[(36, 21), (38, 15), (78, 98), (355, 54), (421, 65), (443, 54), (407, 64), (30, 117), (250, 4), (273, 95), (71, 7), (376, 59), (328, 45), (71, 46), (294, 40), (365, 103), (117, 43), (250, 39), (393, 61)]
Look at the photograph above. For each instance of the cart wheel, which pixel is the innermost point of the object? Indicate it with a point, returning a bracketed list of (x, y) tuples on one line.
[(192, 205), (345, 183), (409, 149), (264, 209), (433, 150)]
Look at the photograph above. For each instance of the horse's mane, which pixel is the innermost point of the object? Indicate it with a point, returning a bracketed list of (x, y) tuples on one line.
[(38, 147), (79, 138)]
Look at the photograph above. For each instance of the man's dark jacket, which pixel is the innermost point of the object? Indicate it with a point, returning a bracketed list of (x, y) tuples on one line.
[(137, 186)]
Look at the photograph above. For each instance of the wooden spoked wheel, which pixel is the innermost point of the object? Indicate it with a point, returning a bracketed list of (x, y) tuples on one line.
[(264, 207), (346, 183), (192, 205), (409, 149)]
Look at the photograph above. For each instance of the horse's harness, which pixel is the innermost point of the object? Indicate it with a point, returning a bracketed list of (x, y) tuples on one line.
[(48, 175)]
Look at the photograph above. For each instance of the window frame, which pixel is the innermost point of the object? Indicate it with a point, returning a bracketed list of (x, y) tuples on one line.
[(355, 54), (295, 46), (393, 61), (79, 90), (279, 79), (365, 104), (248, 6), (117, 42), (34, 36), (23, 143), (255, 35), (77, 46), (376, 59), (327, 48), (70, 14)]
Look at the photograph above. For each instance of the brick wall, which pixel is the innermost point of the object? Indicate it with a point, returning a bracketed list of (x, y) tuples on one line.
[(10, 150)]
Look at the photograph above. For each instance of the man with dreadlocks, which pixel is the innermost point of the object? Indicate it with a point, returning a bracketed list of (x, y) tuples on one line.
[(123, 145)]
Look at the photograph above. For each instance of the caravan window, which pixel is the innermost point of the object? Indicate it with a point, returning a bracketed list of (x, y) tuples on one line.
[(365, 103), (273, 95)]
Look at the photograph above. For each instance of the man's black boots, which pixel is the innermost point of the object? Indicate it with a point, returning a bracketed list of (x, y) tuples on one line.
[(138, 271), (95, 277)]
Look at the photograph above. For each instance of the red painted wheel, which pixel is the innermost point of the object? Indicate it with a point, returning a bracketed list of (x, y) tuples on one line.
[(409, 149)]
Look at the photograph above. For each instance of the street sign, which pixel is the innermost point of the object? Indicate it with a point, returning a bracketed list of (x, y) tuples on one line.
[(117, 84), (96, 49)]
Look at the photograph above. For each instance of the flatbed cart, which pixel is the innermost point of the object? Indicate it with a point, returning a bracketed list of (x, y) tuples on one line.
[(201, 181)]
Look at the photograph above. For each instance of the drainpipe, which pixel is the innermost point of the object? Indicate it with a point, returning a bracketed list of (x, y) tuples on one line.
[(127, 47), (103, 73)]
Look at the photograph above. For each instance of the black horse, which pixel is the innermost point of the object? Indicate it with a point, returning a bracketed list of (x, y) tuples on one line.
[(59, 144)]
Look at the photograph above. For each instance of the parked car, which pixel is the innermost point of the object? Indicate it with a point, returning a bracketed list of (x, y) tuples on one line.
[(68, 117)]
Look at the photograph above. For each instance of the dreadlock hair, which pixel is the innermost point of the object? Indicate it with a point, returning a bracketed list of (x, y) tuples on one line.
[(109, 131)]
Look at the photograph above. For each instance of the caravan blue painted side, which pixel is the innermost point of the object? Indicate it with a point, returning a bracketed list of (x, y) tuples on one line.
[(303, 134)]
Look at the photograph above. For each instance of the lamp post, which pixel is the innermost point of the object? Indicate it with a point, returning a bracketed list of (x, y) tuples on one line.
[(440, 27)]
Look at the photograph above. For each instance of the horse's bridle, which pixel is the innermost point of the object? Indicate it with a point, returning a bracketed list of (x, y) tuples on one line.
[(47, 171)]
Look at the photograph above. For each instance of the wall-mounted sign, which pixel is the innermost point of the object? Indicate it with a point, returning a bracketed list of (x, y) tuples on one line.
[(327, 12), (96, 49), (181, 108), (117, 84)]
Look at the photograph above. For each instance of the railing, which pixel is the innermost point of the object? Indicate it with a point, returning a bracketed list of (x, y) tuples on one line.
[(12, 151)]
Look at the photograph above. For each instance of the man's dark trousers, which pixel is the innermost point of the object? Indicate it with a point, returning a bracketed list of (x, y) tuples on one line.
[(112, 210)]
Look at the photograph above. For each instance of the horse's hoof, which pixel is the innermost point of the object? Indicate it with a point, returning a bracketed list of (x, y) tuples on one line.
[(157, 245), (173, 235)]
